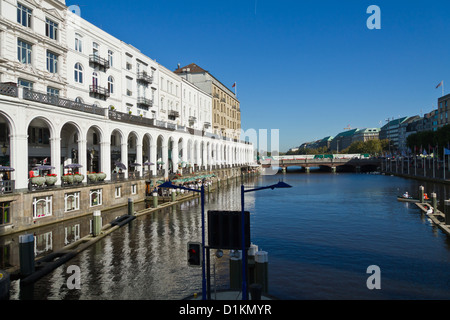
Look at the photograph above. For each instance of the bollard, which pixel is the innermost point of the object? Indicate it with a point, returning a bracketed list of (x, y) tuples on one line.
[(130, 207), (155, 199), (5, 283), (447, 212), (26, 252), (97, 223), (434, 202), (255, 291), (251, 276), (262, 270), (236, 271), (421, 194), (173, 195)]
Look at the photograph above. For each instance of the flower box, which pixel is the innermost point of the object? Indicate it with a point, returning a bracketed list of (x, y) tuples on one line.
[(67, 179), (38, 181), (101, 176), (92, 177), (78, 178), (51, 180)]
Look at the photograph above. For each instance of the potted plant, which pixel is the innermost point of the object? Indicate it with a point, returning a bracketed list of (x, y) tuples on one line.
[(101, 176), (68, 178), (38, 180), (78, 178), (92, 176), (51, 179)]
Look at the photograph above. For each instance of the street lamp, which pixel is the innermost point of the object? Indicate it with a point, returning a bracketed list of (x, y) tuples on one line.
[(280, 184), (169, 184)]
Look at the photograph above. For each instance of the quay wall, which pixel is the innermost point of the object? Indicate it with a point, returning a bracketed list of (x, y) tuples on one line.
[(23, 203)]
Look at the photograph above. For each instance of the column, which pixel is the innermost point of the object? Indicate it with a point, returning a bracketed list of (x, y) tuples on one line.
[(19, 160), (55, 153), (165, 159), (82, 158), (124, 156), (175, 157), (139, 159), (153, 157), (105, 159)]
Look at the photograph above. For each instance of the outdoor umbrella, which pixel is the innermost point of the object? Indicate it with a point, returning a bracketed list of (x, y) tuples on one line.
[(120, 165), (135, 165), (6, 169), (73, 166), (44, 167), (148, 163)]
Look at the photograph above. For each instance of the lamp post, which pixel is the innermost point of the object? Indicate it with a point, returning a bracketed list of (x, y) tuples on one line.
[(169, 184), (280, 184)]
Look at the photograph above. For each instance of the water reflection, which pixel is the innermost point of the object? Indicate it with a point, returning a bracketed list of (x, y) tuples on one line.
[(146, 259), (321, 236)]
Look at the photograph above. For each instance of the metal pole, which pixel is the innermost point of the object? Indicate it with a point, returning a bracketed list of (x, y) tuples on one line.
[(203, 242), (244, 255)]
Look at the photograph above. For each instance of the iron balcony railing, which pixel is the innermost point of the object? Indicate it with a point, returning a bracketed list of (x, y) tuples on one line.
[(9, 89), (145, 77), (7, 186), (101, 62), (144, 102), (60, 102), (174, 113), (100, 91)]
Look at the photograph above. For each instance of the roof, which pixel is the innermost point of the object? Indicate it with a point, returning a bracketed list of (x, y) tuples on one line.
[(193, 68), (346, 133)]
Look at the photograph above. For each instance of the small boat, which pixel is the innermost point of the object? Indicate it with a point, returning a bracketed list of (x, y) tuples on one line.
[(411, 199)]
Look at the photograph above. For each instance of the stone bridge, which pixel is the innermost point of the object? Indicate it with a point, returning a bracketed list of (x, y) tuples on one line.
[(345, 164)]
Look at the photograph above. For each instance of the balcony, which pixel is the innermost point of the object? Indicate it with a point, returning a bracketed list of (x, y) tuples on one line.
[(207, 125), (102, 63), (99, 92), (7, 186), (173, 114), (145, 77), (9, 89), (59, 102), (144, 103)]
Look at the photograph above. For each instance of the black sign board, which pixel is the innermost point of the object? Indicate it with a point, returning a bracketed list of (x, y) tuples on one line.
[(225, 229)]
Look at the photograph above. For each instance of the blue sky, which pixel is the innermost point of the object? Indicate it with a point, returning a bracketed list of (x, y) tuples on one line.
[(308, 68)]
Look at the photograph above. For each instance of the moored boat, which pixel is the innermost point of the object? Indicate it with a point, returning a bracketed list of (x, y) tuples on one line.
[(410, 199)]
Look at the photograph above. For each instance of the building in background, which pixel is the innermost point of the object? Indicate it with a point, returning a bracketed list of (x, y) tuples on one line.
[(226, 112)]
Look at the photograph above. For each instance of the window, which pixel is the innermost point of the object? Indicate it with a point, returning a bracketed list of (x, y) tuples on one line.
[(95, 197), (5, 212), (51, 29), (24, 15), (134, 189), (42, 207), (118, 192), (25, 84), (110, 58), (38, 135), (52, 91), (24, 51), (79, 100), (95, 79), (95, 47), (72, 201), (78, 43), (111, 84), (52, 62), (78, 75)]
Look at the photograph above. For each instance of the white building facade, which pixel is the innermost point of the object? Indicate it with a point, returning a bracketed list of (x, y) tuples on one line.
[(70, 93)]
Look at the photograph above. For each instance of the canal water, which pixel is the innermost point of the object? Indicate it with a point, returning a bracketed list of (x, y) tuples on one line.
[(321, 236)]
